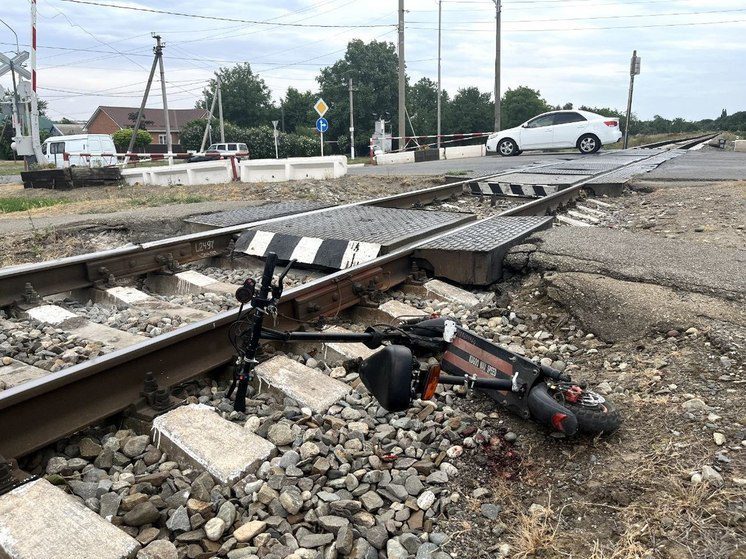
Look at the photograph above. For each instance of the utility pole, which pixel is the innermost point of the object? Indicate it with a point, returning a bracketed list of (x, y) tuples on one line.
[(220, 112), (402, 82), (498, 14), (440, 10), (352, 122), (35, 137), (209, 117), (142, 105), (634, 69), (159, 56)]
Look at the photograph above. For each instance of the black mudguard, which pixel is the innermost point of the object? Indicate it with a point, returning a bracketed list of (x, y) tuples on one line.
[(550, 412)]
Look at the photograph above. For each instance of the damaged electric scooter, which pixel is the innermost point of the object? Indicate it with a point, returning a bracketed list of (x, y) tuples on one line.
[(394, 375)]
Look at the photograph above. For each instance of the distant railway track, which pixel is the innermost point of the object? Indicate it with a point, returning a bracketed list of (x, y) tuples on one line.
[(41, 411)]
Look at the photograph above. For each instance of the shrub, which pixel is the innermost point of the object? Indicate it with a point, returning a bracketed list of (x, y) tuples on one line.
[(122, 139), (260, 140)]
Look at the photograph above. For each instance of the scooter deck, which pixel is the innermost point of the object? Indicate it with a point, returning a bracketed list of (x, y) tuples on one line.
[(472, 355)]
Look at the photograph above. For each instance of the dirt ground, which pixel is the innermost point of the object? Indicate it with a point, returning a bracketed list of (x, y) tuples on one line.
[(639, 492), (88, 230)]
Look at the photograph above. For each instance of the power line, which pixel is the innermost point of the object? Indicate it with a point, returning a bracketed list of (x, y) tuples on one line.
[(694, 23), (602, 17), (219, 18)]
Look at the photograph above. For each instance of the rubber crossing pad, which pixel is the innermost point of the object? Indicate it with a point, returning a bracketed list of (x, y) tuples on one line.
[(473, 255), (345, 237), (506, 189), (230, 218)]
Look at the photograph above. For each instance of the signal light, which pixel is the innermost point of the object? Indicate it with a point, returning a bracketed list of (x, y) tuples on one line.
[(611, 123)]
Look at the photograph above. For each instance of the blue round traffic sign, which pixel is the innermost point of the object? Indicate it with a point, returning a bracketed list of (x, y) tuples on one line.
[(322, 125)]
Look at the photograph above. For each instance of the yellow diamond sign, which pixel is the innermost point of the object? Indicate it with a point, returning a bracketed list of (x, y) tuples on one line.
[(321, 107)]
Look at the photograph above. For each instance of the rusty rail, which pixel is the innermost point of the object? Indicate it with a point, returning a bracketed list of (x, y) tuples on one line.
[(42, 411)]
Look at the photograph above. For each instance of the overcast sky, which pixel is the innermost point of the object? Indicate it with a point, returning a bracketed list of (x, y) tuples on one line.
[(571, 50)]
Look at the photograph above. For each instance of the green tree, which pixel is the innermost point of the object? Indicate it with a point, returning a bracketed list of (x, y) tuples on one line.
[(246, 98), (471, 111), (298, 109), (520, 104), (192, 131), (422, 100), (373, 69), (122, 139)]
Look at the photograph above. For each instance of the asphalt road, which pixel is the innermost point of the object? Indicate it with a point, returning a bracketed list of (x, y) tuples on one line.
[(475, 166), (703, 165), (695, 165)]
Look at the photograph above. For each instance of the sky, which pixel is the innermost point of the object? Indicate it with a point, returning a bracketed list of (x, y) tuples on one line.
[(693, 51)]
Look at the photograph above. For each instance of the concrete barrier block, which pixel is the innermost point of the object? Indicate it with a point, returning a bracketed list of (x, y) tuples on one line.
[(198, 435), (135, 176), (327, 167), (462, 152), (39, 520), (393, 158), (740, 145), (263, 170), (307, 386), (204, 172)]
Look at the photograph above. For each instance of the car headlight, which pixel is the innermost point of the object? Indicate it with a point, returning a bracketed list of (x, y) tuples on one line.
[(493, 136)]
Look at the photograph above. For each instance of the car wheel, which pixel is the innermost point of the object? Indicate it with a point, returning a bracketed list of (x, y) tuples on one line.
[(507, 147), (589, 143)]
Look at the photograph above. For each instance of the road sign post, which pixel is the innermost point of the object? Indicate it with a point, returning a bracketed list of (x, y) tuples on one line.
[(322, 125), (275, 133)]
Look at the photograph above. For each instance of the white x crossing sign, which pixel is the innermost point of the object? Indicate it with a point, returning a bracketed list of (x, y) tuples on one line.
[(15, 63)]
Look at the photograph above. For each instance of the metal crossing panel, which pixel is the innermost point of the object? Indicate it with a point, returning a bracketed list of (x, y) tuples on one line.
[(230, 218), (346, 237), (474, 254)]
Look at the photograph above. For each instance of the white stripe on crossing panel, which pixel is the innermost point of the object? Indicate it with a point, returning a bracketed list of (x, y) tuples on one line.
[(260, 242), (359, 252), (305, 251)]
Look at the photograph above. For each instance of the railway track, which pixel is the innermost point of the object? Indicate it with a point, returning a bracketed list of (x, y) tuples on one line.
[(41, 411)]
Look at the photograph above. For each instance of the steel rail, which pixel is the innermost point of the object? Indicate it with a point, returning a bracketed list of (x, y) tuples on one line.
[(18, 283), (663, 143), (40, 412)]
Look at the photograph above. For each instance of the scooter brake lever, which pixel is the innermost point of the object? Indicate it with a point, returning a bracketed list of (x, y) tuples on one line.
[(277, 289)]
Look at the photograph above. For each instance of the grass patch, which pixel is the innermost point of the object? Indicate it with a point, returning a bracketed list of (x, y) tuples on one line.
[(164, 199), (8, 205), (364, 159), (11, 167)]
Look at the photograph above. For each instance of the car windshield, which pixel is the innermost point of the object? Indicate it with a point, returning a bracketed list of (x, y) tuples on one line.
[(213, 147)]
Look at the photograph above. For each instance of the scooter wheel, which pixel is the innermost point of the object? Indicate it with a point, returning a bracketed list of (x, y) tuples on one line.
[(601, 419)]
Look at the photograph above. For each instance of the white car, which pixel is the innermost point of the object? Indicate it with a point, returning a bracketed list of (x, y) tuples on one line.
[(558, 129)]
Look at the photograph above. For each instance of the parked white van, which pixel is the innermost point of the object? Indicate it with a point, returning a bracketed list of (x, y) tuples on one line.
[(99, 150)]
